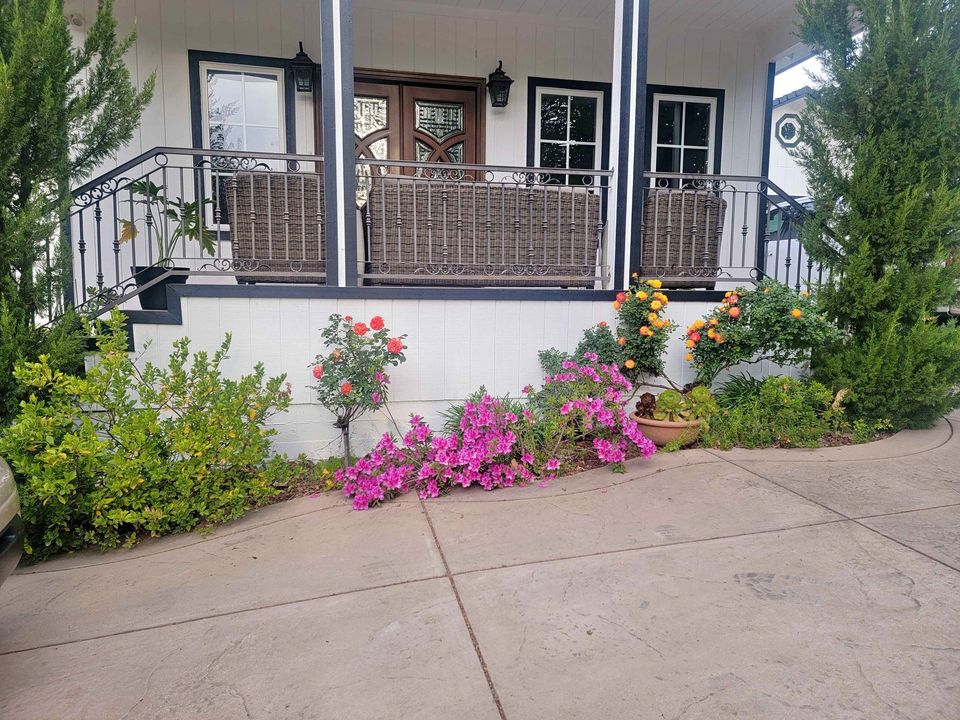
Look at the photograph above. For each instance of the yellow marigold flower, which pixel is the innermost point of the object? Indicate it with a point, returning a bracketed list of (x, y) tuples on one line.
[(654, 283), (796, 312), (728, 293), (656, 305), (630, 364), (690, 344), (711, 332), (659, 322), (651, 316), (804, 293), (688, 357), (641, 295)]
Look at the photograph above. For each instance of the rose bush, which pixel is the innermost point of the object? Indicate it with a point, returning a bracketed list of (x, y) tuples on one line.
[(642, 331), (351, 377), (498, 447), (768, 322)]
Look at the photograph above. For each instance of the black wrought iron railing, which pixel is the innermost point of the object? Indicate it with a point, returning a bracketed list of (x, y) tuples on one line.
[(494, 225), (232, 216), (256, 217), (698, 230)]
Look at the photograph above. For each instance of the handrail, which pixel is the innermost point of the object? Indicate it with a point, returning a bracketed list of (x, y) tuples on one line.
[(388, 162), (169, 150), (758, 179)]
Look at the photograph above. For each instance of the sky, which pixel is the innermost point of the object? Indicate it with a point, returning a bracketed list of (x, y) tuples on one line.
[(795, 78)]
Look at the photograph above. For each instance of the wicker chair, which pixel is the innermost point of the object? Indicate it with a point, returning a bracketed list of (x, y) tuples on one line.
[(682, 230), (478, 233), (276, 225)]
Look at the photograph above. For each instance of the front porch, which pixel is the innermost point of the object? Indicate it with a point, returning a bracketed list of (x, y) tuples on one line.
[(616, 153)]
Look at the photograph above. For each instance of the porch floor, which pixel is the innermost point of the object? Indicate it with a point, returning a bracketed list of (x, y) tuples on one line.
[(766, 584)]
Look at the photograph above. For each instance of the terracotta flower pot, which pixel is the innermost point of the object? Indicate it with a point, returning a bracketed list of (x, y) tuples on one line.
[(663, 432)]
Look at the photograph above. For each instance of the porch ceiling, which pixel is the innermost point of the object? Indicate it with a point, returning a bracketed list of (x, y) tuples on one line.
[(717, 15)]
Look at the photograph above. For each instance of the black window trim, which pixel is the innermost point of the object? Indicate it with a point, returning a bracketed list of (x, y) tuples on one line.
[(535, 83), (195, 57), (715, 93)]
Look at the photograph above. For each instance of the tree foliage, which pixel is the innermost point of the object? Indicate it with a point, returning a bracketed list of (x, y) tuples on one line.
[(63, 110), (882, 156)]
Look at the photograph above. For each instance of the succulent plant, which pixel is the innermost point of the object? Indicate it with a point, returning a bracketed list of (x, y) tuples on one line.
[(701, 402), (646, 405), (672, 407)]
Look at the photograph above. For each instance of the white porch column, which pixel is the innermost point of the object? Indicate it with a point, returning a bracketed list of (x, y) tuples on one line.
[(628, 133), (339, 172)]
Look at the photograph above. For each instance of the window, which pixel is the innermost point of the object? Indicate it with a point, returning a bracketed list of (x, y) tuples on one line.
[(569, 131), (243, 107), (683, 133)]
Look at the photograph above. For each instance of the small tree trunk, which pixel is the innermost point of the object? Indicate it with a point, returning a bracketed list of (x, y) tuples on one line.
[(345, 434)]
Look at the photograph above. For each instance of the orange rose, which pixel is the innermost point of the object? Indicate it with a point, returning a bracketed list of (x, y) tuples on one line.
[(797, 312), (621, 341), (376, 322), (346, 388)]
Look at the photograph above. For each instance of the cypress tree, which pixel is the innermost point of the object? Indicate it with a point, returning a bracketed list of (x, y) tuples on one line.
[(63, 109), (882, 157)]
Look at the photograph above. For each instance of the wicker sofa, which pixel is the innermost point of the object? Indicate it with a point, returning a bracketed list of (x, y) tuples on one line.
[(682, 230), (276, 225), (479, 233)]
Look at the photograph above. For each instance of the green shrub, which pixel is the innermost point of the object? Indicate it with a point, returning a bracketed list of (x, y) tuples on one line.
[(551, 360), (599, 340), (121, 452), (881, 154), (782, 412)]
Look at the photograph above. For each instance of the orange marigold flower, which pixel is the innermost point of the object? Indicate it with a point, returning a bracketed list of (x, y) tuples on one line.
[(376, 322), (734, 312), (630, 364), (688, 357), (346, 388), (616, 304), (797, 312), (621, 340), (360, 329)]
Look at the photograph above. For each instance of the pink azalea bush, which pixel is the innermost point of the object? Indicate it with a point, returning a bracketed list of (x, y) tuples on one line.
[(495, 447)]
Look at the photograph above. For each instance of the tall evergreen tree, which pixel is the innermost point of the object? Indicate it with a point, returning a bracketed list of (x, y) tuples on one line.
[(882, 157), (63, 109)]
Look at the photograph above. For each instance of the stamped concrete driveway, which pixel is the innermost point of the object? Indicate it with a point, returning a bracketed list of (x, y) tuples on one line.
[(769, 584)]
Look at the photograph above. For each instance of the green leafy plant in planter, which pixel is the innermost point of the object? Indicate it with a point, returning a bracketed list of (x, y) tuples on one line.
[(673, 418), (168, 221), (351, 377), (671, 406)]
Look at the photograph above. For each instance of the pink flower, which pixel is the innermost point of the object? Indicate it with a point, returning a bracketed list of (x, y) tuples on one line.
[(318, 371), (552, 464), (375, 397)]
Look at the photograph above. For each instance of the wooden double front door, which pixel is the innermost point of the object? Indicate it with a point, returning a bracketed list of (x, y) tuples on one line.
[(419, 122)]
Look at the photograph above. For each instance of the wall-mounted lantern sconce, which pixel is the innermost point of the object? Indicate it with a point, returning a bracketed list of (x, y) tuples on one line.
[(302, 67), (498, 85)]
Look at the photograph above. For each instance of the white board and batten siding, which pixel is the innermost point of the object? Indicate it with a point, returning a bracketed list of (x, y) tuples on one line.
[(443, 39), (454, 347)]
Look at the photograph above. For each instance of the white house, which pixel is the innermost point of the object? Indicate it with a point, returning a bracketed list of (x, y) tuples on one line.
[(384, 172)]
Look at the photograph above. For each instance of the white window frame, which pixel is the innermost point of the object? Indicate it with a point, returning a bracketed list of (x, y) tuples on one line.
[(202, 69), (277, 72), (712, 125), (598, 137)]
